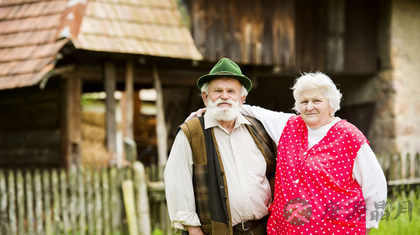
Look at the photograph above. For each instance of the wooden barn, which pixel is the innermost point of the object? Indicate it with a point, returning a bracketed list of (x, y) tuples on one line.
[(53, 52)]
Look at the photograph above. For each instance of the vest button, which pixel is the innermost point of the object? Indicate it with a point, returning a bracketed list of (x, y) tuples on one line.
[(222, 173)]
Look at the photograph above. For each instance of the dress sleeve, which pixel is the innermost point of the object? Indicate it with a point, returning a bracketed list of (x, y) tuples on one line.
[(178, 184), (368, 173), (273, 121)]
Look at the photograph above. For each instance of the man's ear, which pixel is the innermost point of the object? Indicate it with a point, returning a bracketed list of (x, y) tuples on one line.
[(243, 99), (204, 96)]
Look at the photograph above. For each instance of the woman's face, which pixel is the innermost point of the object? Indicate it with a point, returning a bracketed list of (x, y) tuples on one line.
[(314, 108)]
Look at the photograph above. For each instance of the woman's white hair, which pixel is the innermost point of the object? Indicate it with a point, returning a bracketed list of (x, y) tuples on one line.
[(317, 81), (205, 89)]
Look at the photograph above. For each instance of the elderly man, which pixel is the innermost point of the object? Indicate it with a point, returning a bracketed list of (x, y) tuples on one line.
[(216, 175)]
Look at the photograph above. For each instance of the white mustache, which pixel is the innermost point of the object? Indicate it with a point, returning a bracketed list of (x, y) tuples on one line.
[(219, 101)]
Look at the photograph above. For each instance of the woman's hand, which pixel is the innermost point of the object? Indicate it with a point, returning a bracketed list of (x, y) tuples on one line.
[(197, 113)]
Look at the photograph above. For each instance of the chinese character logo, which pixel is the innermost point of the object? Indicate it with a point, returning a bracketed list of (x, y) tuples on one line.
[(297, 211)]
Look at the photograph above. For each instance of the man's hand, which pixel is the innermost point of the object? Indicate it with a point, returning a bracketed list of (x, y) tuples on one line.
[(367, 231), (197, 113), (195, 230)]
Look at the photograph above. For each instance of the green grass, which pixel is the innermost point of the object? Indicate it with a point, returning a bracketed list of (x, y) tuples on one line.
[(401, 225)]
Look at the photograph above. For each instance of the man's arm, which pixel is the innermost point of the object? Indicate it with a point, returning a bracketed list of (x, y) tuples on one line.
[(178, 184), (368, 173)]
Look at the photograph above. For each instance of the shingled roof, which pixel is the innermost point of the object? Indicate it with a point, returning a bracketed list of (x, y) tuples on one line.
[(32, 32)]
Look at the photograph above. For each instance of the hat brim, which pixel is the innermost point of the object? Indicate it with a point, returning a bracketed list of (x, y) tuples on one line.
[(245, 81)]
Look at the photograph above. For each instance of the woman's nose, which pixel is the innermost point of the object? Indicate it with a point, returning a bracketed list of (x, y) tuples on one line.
[(310, 105)]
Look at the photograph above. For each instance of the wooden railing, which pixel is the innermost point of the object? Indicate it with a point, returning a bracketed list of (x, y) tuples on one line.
[(108, 201)]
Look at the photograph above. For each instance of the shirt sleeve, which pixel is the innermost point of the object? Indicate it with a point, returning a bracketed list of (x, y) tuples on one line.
[(273, 121), (368, 173), (178, 184)]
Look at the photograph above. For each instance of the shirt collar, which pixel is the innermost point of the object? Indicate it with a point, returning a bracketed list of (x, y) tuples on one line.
[(210, 122)]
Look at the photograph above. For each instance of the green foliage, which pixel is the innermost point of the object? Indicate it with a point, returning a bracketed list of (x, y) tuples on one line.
[(157, 231), (402, 224)]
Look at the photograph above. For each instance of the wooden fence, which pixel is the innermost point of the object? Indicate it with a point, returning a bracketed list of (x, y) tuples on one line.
[(401, 169), (106, 201)]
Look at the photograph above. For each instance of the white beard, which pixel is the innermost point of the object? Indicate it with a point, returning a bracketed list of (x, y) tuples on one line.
[(223, 114)]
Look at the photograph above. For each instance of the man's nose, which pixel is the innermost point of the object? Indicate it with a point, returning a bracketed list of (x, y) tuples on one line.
[(224, 95)]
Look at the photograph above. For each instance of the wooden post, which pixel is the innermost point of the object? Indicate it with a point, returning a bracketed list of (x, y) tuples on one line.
[(128, 101), (161, 131), (142, 199), (130, 209), (71, 122), (110, 119)]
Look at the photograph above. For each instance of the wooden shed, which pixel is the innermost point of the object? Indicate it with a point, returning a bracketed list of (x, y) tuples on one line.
[(51, 51)]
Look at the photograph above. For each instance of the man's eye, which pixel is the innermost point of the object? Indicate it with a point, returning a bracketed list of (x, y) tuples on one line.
[(304, 102)]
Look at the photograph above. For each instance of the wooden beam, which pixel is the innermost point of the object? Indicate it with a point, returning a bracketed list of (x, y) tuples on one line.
[(161, 131), (110, 119), (71, 122)]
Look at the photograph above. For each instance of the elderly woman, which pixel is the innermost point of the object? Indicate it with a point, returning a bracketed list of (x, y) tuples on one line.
[(327, 178)]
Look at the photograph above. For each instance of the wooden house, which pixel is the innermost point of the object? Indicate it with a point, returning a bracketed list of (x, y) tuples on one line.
[(52, 51)]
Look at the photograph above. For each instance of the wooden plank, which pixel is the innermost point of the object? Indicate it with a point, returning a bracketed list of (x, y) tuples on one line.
[(64, 202), (38, 199), (110, 118), (56, 224), (20, 202), (98, 220), (114, 201), (404, 182), (403, 170), (412, 165), (89, 200), (29, 202), (46, 186), (81, 200), (32, 157), (73, 200), (130, 208), (336, 34), (4, 226), (30, 138), (12, 203), (106, 202)]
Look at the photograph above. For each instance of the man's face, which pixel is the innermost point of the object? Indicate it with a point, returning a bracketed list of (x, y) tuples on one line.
[(224, 98), (224, 89)]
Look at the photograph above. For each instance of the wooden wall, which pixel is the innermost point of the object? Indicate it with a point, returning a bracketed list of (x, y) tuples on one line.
[(335, 36), (30, 126)]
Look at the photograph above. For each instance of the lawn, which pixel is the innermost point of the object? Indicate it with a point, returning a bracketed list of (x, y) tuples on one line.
[(402, 224)]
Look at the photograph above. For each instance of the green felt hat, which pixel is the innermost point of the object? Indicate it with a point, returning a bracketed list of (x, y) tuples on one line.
[(225, 68)]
